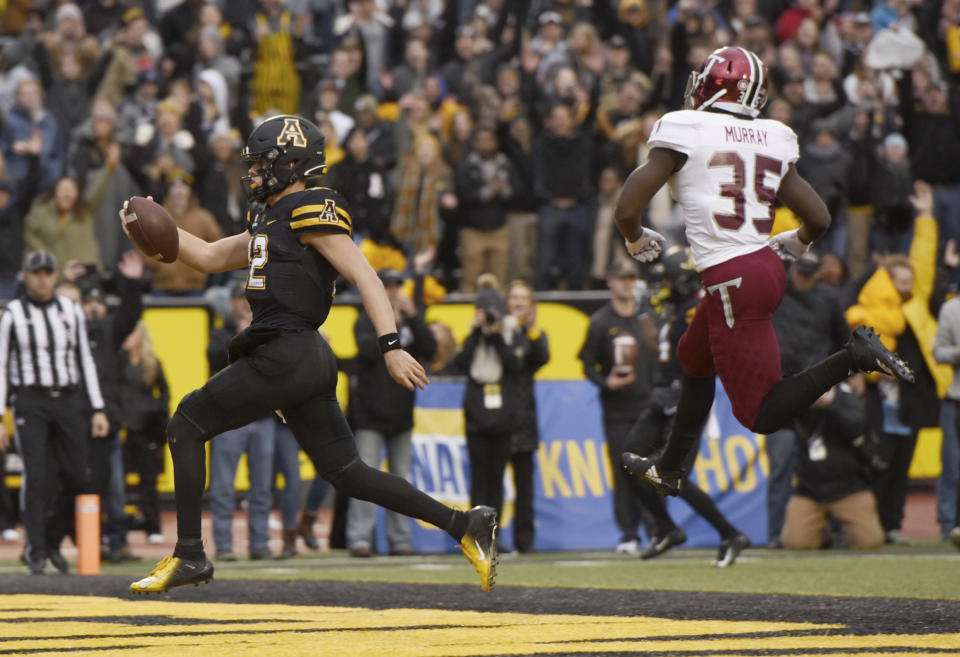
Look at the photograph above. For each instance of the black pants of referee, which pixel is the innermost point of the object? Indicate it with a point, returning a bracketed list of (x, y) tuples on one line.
[(51, 437), (295, 372)]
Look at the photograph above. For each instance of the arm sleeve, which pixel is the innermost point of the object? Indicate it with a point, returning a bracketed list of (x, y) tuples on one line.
[(164, 387), (791, 147), (87, 365), (539, 353), (424, 344), (323, 211), (674, 133), (6, 327)]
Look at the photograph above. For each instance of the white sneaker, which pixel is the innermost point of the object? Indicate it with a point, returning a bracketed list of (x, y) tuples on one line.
[(155, 538), (11, 535), (629, 547)]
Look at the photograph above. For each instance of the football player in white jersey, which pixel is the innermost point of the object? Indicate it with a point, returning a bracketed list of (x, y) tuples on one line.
[(726, 167)]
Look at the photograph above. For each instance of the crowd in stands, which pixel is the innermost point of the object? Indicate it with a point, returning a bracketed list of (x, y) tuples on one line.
[(486, 136)]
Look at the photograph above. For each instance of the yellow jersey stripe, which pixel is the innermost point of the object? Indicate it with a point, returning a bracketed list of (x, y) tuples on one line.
[(346, 215), (316, 221), (308, 209)]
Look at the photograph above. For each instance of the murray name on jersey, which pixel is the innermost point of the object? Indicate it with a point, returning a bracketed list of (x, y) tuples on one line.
[(291, 286), (727, 186)]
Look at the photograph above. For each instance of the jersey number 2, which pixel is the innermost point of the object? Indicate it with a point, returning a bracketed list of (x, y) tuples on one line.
[(734, 190), (258, 258)]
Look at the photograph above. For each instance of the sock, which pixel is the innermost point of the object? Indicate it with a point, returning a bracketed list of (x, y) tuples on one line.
[(796, 393), (458, 524), (360, 481), (189, 476), (189, 548), (696, 397)]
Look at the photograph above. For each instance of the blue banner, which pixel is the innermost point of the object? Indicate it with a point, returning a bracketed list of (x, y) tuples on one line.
[(573, 478)]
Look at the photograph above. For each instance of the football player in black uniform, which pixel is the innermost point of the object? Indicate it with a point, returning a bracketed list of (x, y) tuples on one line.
[(298, 238), (648, 437)]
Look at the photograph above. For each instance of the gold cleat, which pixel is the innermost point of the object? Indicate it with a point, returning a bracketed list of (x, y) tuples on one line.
[(172, 572), (479, 544)]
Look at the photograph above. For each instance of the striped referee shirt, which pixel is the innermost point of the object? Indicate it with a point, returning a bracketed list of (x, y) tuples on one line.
[(45, 345)]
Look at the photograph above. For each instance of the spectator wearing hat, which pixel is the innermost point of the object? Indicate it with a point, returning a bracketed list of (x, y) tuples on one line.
[(383, 417), (383, 151), (617, 69), (70, 37), (30, 130), (892, 186), (485, 184), (51, 378), (618, 357), (138, 111), (809, 324), (824, 164), (176, 279), (12, 72), (126, 57), (63, 222)]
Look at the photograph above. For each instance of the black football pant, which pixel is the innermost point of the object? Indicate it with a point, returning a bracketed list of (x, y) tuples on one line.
[(628, 511), (52, 440), (143, 454), (295, 372), (646, 438)]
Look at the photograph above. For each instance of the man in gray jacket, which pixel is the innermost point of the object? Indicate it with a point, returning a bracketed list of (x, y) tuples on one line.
[(946, 349)]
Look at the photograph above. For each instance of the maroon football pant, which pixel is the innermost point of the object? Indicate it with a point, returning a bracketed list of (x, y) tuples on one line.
[(731, 333)]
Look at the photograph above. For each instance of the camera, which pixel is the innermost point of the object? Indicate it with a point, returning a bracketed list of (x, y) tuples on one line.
[(492, 315)]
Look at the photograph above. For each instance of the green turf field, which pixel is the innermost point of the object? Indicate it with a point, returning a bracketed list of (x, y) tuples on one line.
[(929, 569)]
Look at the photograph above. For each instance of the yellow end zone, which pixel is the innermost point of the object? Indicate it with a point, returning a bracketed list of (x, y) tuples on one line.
[(58, 625)]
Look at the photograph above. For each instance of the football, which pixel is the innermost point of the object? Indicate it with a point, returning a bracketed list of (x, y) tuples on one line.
[(152, 229)]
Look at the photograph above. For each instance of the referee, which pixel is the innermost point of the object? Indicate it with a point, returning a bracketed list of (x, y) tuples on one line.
[(45, 367)]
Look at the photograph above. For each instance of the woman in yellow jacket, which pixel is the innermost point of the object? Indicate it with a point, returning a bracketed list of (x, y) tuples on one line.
[(896, 301)]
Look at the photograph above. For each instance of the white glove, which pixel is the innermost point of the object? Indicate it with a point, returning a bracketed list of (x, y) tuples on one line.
[(647, 247), (788, 244)]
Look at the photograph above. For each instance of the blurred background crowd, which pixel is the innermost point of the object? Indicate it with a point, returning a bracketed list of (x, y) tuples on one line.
[(492, 137)]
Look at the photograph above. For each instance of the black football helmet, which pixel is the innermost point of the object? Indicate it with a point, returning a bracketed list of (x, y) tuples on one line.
[(293, 148), (679, 273)]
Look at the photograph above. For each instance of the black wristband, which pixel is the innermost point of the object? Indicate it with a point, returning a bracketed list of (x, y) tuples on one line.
[(389, 342)]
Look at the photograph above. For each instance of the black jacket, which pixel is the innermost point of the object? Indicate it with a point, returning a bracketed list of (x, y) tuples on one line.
[(533, 351), (385, 405), (561, 166), (479, 416), (106, 335), (478, 207), (809, 326), (934, 138), (143, 405), (597, 354), (830, 466)]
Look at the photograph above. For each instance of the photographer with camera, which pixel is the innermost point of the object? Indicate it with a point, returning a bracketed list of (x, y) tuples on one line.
[(490, 403)]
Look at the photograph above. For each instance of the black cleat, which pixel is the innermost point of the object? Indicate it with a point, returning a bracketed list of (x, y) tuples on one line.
[(869, 355), (172, 572), (479, 544), (58, 562), (665, 483), (36, 566), (658, 546), (731, 548)]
